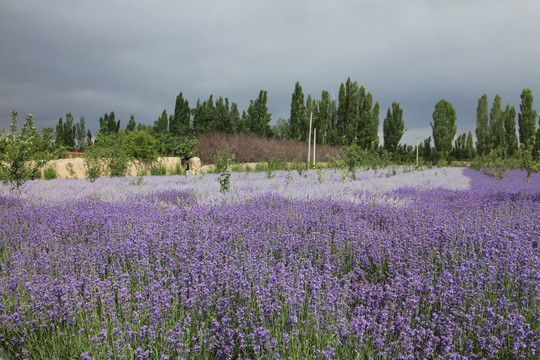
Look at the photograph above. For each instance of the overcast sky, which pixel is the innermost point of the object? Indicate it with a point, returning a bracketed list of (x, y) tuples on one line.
[(134, 57)]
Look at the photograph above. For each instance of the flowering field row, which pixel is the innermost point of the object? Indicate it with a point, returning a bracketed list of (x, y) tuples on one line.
[(331, 184), (442, 263)]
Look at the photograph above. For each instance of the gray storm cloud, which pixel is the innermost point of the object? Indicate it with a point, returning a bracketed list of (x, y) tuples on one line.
[(89, 58)]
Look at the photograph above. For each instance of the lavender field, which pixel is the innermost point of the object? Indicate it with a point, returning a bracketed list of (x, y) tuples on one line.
[(431, 264)]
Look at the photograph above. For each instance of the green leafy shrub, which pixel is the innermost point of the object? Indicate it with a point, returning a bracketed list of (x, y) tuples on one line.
[(260, 166), (158, 169), (108, 155), (224, 182), (273, 164), (49, 173), (299, 165), (71, 170), (354, 157), (223, 161), (179, 169), (186, 150), (18, 161), (140, 145)]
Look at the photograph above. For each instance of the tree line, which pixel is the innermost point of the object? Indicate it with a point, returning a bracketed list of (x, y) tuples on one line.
[(351, 119)]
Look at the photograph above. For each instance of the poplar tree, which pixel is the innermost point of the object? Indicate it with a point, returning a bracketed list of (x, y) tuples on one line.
[(66, 132), (108, 124), (161, 124), (482, 135), (235, 118), (364, 128), (341, 126), (59, 141), (510, 137), (426, 149), (536, 153), (393, 128), (352, 116), (309, 114), (469, 147), (297, 112), (89, 140), (526, 120), (131, 124), (332, 135), (375, 127), (258, 117), (460, 147), (444, 127), (223, 118), (181, 121), (204, 116), (326, 116), (80, 135), (496, 126)]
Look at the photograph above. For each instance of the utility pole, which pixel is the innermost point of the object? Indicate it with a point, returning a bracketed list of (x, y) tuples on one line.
[(314, 144), (416, 150), (309, 139)]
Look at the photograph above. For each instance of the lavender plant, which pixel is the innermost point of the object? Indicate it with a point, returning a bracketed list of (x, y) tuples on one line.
[(172, 269)]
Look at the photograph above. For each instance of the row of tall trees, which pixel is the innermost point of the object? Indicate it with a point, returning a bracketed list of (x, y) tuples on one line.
[(72, 135), (496, 131), (496, 128), (216, 115), (352, 119)]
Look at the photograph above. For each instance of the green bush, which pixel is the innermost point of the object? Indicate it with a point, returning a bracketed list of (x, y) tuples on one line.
[(224, 182), (109, 154), (49, 173), (179, 169), (158, 169), (223, 161), (299, 165), (93, 167), (261, 166), (18, 161), (71, 170), (140, 145), (186, 150)]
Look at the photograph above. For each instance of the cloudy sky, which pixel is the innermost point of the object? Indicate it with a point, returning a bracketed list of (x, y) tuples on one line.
[(134, 57)]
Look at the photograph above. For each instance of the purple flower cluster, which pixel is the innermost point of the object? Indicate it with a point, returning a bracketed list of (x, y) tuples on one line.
[(449, 274)]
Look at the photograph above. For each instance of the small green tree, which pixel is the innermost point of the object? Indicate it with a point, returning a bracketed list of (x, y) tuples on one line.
[(444, 127), (393, 128), (426, 149), (186, 150), (297, 112), (511, 141), (469, 147), (526, 120), (459, 152), (161, 125), (18, 161), (141, 146), (482, 135), (131, 124), (258, 118), (496, 126), (108, 154), (181, 121)]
